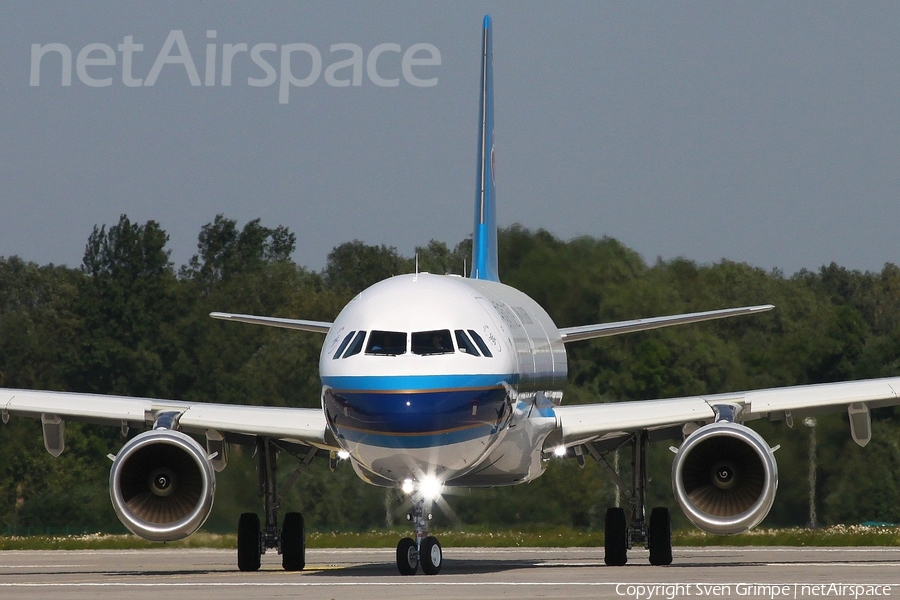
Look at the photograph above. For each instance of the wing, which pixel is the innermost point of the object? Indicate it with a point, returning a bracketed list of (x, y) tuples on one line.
[(314, 326), (585, 332), (301, 425), (610, 422), (218, 421)]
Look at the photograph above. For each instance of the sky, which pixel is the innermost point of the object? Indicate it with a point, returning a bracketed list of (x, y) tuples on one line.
[(764, 133)]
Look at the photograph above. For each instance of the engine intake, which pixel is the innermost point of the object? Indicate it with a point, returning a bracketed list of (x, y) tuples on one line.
[(162, 485), (725, 478)]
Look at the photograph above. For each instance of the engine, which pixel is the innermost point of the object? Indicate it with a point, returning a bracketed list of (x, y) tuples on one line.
[(724, 478), (162, 485)]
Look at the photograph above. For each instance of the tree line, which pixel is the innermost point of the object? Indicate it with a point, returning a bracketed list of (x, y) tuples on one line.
[(128, 322)]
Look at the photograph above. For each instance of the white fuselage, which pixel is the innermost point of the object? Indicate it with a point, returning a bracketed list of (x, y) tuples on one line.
[(442, 376)]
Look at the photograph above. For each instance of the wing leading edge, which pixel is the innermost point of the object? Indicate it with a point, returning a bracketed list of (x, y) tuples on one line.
[(585, 423), (303, 425), (586, 332)]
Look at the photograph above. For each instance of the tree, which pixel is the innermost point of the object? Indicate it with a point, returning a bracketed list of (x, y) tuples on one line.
[(38, 324), (355, 265), (225, 252), (129, 311), (437, 258)]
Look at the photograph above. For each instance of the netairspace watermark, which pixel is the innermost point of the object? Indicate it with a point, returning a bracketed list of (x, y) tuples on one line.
[(344, 64), (772, 591)]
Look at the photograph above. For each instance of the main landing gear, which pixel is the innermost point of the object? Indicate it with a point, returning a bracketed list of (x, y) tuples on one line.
[(253, 540), (655, 535), (425, 550)]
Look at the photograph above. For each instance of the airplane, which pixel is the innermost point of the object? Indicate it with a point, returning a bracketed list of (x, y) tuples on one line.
[(431, 382)]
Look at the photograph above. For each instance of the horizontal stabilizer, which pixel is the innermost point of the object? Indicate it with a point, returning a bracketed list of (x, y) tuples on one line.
[(586, 332), (314, 326)]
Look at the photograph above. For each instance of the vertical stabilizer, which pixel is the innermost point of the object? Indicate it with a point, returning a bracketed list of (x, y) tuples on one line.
[(484, 241)]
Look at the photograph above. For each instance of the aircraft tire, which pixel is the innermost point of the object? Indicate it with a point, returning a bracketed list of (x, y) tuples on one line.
[(659, 536), (407, 557), (431, 556), (248, 542), (615, 538), (293, 542)]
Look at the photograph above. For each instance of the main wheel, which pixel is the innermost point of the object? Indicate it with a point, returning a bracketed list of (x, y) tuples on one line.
[(431, 556), (615, 538), (407, 557), (248, 542), (293, 542), (659, 536)]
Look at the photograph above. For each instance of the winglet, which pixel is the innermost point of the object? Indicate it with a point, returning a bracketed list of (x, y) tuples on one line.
[(484, 240)]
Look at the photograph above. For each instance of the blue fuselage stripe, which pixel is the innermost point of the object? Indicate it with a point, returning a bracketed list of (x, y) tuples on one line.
[(415, 383)]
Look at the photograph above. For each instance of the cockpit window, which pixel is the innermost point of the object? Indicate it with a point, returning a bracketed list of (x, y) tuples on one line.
[(464, 343), (357, 344), (432, 342), (343, 345), (389, 343), (481, 344)]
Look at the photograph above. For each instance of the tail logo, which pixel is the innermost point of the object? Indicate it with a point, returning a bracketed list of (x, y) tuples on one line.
[(493, 166)]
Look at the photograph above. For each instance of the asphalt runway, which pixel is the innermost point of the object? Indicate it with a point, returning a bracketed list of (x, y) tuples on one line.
[(715, 572)]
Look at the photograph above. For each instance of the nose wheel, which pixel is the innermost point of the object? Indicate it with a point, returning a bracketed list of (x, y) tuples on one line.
[(425, 550), (431, 555), (407, 557)]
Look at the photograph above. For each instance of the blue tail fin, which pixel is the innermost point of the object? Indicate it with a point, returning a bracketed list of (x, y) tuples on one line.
[(484, 242)]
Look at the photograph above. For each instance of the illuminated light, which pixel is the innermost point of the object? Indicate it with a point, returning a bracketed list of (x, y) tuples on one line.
[(431, 487), (407, 486), (559, 451), (343, 454), (407, 403)]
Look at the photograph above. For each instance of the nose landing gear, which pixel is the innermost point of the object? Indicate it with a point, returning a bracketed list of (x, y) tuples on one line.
[(424, 550)]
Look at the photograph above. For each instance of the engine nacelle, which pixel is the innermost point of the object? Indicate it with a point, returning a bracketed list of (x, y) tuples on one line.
[(162, 485), (724, 478)]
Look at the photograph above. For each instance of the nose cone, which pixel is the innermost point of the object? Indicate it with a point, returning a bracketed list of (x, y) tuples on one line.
[(420, 412), (422, 426)]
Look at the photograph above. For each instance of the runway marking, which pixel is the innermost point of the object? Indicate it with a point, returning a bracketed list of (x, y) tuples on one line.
[(384, 584), (567, 564), (828, 564), (41, 566), (468, 551), (787, 549)]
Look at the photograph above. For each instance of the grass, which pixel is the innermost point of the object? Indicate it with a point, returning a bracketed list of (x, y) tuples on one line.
[(836, 535), (549, 537)]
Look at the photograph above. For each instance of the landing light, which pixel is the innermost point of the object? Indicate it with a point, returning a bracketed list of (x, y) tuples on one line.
[(431, 487), (343, 454), (559, 451)]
